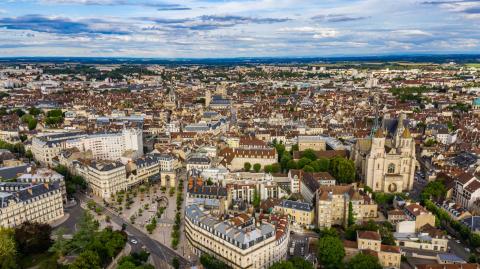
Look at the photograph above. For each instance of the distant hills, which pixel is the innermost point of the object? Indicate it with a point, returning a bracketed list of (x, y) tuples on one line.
[(444, 58)]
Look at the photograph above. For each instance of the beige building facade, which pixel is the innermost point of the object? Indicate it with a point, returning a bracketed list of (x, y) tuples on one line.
[(239, 242), (20, 202), (387, 164), (332, 205)]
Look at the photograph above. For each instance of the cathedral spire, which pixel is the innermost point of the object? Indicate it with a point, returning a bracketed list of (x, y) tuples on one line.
[(379, 133), (406, 133)]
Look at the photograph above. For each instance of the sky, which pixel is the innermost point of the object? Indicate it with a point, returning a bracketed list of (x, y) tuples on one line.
[(237, 28)]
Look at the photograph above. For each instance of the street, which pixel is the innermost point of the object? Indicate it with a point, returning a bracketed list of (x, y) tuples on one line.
[(161, 254)]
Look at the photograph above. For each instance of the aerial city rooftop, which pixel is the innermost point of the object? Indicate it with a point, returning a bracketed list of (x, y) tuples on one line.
[(252, 165)]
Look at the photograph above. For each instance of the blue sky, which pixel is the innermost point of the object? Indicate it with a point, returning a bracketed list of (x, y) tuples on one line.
[(237, 28)]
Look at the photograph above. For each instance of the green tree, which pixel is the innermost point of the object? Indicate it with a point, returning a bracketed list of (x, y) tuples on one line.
[(257, 167), (175, 263), (275, 168), (209, 262), (55, 113), (330, 252), (247, 166), (32, 124), (86, 228), (33, 237), (363, 261), (328, 232), (451, 126), (60, 246), (26, 118), (302, 162), (282, 265), (308, 168), (309, 154), (324, 164), (19, 112), (280, 150), (256, 199), (295, 147), (29, 154), (34, 111), (285, 159), (430, 142), (343, 170), (291, 164), (473, 258), (300, 263), (351, 214), (86, 260), (434, 190), (8, 248), (127, 265)]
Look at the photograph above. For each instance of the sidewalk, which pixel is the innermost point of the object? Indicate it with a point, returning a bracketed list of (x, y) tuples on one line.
[(60, 221)]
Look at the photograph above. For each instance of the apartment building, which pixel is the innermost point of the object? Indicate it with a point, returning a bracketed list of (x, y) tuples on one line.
[(466, 190), (388, 256), (234, 159), (142, 169), (238, 241), (332, 203), (44, 175), (104, 178), (426, 238), (103, 146), (421, 216), (315, 142), (298, 212), (310, 182), (198, 162), (167, 162), (212, 196), (20, 202), (245, 190)]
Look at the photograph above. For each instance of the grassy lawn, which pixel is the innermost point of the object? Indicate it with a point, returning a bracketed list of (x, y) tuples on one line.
[(34, 260)]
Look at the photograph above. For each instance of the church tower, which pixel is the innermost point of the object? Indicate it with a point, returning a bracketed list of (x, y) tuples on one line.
[(375, 161), (378, 143), (400, 129), (407, 153)]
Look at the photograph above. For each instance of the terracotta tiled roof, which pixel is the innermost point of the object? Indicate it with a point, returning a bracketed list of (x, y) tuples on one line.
[(473, 186), (387, 248), (464, 178), (370, 235), (449, 266), (415, 209), (350, 244)]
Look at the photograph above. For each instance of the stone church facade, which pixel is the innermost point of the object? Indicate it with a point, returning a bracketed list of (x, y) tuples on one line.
[(386, 160)]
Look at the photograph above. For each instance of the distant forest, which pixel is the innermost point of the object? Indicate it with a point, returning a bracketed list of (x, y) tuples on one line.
[(444, 58)]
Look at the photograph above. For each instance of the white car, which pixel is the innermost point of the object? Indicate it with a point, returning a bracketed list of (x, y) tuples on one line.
[(133, 241)]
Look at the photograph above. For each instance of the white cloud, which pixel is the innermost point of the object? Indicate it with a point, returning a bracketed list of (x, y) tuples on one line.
[(411, 32), (317, 32)]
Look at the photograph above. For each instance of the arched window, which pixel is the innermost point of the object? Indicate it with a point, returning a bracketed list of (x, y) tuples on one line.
[(391, 168)]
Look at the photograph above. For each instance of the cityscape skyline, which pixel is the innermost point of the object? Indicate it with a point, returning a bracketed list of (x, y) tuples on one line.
[(225, 29)]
